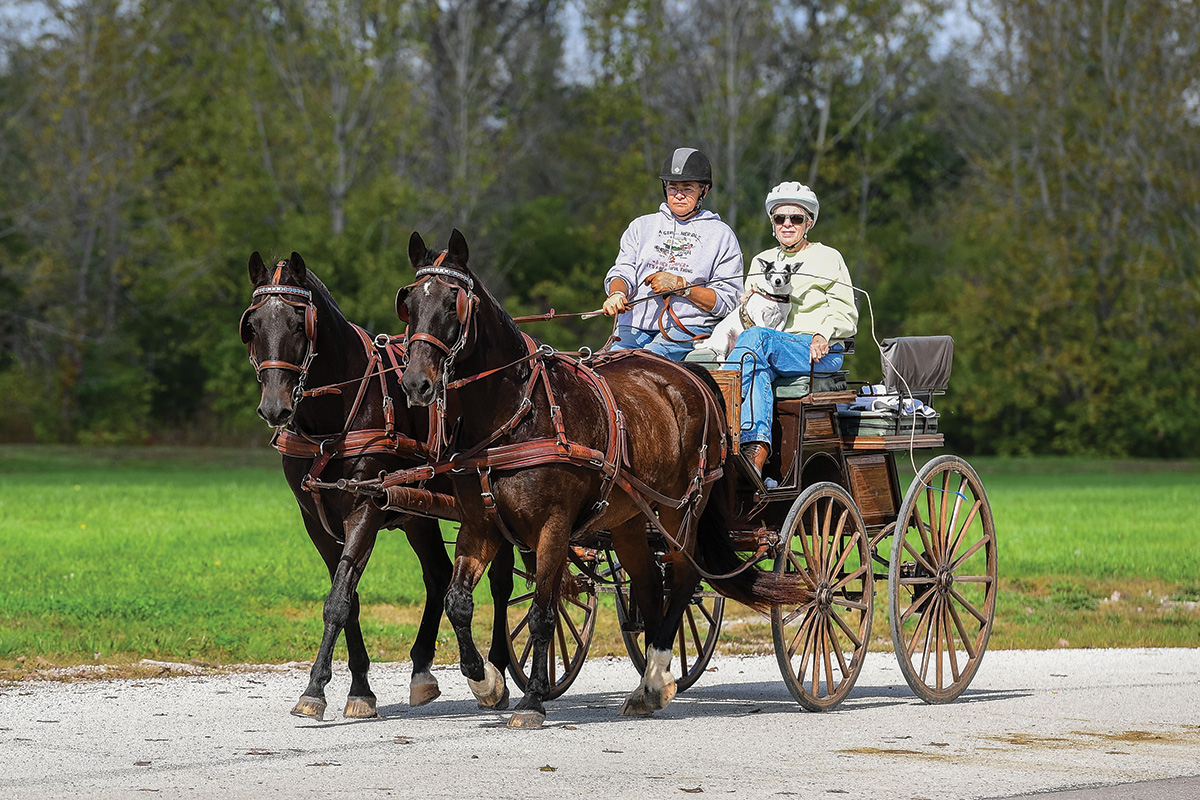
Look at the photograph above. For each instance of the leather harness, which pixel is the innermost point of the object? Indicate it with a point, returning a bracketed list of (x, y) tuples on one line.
[(612, 462), (350, 442)]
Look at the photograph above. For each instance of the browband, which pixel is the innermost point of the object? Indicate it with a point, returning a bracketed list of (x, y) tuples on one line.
[(449, 273), (277, 289)]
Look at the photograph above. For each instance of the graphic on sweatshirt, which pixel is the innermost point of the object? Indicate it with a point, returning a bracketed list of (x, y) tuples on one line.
[(674, 247)]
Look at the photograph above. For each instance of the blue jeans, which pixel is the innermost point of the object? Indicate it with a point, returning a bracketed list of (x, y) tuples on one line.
[(766, 354), (652, 340)]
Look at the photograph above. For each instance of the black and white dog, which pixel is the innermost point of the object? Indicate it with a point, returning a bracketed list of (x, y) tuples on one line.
[(762, 307)]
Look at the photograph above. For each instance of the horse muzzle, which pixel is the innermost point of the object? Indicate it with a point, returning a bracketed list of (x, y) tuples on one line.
[(419, 388), (277, 404)]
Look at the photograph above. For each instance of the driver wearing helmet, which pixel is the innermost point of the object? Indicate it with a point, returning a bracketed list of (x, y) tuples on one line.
[(822, 315), (682, 260)]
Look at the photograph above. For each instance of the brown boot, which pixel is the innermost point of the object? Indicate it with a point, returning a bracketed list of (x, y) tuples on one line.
[(757, 452)]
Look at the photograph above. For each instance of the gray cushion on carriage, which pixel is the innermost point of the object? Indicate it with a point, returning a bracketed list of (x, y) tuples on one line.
[(703, 354), (795, 388), (861, 422), (923, 362)]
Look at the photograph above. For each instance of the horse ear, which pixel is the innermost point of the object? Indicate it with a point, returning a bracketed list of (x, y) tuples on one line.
[(416, 250), (298, 268), (401, 307), (457, 249), (258, 270)]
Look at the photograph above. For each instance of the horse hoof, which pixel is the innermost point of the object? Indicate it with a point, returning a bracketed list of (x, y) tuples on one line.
[(361, 708), (424, 692), (526, 719), (491, 692), (635, 706), (311, 707)]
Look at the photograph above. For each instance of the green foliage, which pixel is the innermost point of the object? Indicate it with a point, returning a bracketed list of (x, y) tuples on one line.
[(1036, 199)]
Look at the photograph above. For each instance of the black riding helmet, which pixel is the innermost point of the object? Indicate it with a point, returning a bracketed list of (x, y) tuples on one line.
[(687, 164)]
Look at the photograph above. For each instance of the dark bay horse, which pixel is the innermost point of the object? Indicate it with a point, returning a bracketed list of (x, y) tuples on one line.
[(328, 389), (550, 449)]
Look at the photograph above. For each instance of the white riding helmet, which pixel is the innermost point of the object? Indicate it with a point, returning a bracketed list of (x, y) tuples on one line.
[(793, 192)]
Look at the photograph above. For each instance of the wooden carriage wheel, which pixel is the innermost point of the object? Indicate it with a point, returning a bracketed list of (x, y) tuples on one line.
[(574, 624), (821, 645), (695, 641), (942, 579)]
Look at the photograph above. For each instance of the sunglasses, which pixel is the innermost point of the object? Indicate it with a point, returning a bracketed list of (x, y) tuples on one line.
[(795, 219)]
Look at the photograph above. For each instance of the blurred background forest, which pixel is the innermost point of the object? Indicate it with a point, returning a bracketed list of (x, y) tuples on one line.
[(1022, 175)]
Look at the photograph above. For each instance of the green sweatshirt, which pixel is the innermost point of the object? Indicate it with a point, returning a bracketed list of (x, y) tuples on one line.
[(822, 296)]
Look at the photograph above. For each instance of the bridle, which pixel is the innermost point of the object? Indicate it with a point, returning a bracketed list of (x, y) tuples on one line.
[(294, 296), (465, 304)]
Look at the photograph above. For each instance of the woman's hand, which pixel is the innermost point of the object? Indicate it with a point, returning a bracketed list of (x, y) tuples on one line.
[(616, 303), (665, 282), (818, 349)]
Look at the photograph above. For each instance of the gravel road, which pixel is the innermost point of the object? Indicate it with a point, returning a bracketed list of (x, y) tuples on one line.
[(1031, 722)]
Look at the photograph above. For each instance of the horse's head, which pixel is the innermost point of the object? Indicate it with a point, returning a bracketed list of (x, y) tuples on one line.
[(280, 331), (438, 308)]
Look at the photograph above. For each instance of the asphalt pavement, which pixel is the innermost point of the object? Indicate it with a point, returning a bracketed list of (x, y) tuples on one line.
[(1096, 724)]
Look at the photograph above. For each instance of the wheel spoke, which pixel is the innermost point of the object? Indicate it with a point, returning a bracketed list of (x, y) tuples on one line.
[(524, 659), (920, 557), (697, 641), (800, 568), (968, 606), (927, 620), (924, 599), (974, 549), (851, 634), (564, 617), (847, 550), (837, 650), (921, 620), (941, 537), (824, 531), (837, 540), (804, 609), (966, 526), (683, 663), (521, 598), (853, 576), (826, 642), (574, 600), (938, 624), (968, 645), (520, 625)]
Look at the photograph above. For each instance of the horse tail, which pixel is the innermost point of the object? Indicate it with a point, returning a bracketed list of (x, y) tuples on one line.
[(715, 554)]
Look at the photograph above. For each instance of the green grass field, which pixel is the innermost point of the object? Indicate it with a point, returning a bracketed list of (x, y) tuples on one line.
[(114, 555)]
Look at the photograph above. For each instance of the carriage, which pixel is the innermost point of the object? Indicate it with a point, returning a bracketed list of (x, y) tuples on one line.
[(831, 522), (831, 516)]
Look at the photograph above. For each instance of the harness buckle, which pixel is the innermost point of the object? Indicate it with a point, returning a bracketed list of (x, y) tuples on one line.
[(325, 442)]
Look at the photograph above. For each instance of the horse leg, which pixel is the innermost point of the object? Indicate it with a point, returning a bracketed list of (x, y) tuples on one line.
[(500, 578), (426, 539), (551, 561), (657, 687), (472, 554), (341, 613)]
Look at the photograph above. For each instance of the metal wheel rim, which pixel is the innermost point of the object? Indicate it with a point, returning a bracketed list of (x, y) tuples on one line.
[(704, 613), (574, 624), (820, 646), (942, 579)]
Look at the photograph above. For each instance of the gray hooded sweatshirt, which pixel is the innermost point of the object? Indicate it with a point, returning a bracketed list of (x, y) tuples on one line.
[(704, 250)]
